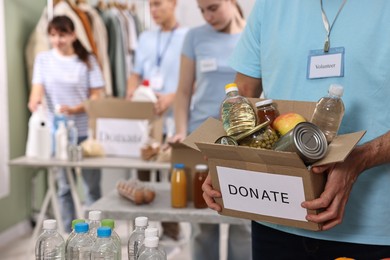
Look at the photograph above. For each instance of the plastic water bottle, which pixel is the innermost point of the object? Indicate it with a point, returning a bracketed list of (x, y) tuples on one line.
[(150, 232), (151, 251), (61, 139), (73, 233), (94, 218), (237, 113), (72, 133), (104, 247), (144, 93), (114, 236), (50, 244), (58, 117), (80, 246), (329, 112), (137, 237)]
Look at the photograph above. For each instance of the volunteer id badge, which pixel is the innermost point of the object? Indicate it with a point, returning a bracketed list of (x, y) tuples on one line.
[(322, 64), (156, 79), (208, 65)]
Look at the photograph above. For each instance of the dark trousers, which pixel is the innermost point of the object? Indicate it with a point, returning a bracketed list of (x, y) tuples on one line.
[(269, 243)]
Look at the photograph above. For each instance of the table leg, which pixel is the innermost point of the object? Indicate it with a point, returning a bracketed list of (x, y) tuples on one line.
[(73, 191), (54, 200)]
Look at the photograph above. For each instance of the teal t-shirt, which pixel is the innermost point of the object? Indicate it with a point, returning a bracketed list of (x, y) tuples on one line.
[(275, 47), (210, 50)]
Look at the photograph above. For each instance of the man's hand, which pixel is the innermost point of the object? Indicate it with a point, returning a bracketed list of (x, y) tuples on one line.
[(340, 179), (164, 101), (209, 194)]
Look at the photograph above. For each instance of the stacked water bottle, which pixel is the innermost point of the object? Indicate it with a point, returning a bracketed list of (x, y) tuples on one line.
[(96, 239)]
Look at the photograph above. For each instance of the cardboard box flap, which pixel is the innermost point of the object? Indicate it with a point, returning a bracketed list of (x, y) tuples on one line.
[(341, 147), (250, 155), (203, 133), (106, 108)]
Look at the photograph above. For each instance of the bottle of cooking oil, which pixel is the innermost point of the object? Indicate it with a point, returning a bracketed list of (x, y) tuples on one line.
[(237, 113)]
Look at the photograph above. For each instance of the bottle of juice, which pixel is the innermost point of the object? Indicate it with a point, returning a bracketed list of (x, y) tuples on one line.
[(178, 186), (201, 171)]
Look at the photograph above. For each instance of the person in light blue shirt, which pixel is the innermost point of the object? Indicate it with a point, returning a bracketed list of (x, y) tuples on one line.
[(277, 56), (203, 76), (157, 58)]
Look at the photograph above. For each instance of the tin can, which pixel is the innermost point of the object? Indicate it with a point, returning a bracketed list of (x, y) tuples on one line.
[(226, 140), (305, 139)]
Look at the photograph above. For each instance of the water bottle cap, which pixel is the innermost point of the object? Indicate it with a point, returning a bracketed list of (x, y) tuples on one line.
[(104, 232), (75, 221), (145, 83), (81, 227), (50, 224), (151, 232), (95, 215), (108, 223), (151, 241), (141, 221), (179, 165), (231, 87), (201, 167), (264, 102), (71, 123), (336, 90)]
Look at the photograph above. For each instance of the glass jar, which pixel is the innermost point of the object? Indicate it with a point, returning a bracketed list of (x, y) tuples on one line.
[(201, 171), (266, 111), (178, 186), (262, 136)]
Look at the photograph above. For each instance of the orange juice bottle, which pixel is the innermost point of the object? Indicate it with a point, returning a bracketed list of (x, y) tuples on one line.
[(178, 186)]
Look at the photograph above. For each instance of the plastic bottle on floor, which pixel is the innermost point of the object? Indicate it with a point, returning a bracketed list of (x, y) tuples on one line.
[(151, 251), (94, 218), (50, 244), (80, 246), (329, 112), (137, 237), (104, 247), (114, 236), (150, 232), (73, 233)]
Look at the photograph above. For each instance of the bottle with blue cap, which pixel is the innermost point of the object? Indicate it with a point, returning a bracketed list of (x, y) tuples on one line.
[(80, 246), (178, 186), (73, 233), (104, 247)]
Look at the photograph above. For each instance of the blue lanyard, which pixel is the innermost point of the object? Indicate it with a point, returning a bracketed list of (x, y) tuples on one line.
[(160, 56)]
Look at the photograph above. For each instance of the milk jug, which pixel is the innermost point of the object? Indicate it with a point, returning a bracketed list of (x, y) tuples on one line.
[(144, 93), (39, 140)]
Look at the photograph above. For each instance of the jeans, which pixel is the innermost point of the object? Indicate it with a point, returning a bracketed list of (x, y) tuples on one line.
[(91, 184), (205, 242), (269, 243)]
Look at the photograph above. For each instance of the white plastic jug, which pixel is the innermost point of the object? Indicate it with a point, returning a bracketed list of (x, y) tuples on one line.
[(39, 139), (144, 93)]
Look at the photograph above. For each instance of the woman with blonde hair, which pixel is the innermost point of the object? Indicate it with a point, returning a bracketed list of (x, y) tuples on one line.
[(204, 72)]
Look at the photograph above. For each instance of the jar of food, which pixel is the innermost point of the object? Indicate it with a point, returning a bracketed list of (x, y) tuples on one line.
[(178, 186), (262, 136), (201, 171), (266, 111)]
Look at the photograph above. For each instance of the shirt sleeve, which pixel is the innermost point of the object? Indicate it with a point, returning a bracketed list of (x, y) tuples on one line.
[(140, 56), (95, 75), (188, 49), (37, 72), (246, 57)]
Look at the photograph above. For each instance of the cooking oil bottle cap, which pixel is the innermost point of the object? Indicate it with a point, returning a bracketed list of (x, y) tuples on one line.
[(336, 90), (264, 102), (231, 87), (201, 167)]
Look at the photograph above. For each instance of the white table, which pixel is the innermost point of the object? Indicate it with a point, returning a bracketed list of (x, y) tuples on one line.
[(52, 165)]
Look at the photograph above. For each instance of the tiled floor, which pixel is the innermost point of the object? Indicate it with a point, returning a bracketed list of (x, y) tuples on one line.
[(175, 250)]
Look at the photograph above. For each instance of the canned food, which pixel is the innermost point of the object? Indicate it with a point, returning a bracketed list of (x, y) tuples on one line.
[(226, 140), (307, 140)]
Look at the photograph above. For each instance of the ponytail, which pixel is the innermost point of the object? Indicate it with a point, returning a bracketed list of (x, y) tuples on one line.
[(81, 52), (64, 24)]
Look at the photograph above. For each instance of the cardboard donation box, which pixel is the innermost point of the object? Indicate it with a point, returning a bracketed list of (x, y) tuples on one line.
[(190, 158), (266, 185), (123, 127)]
